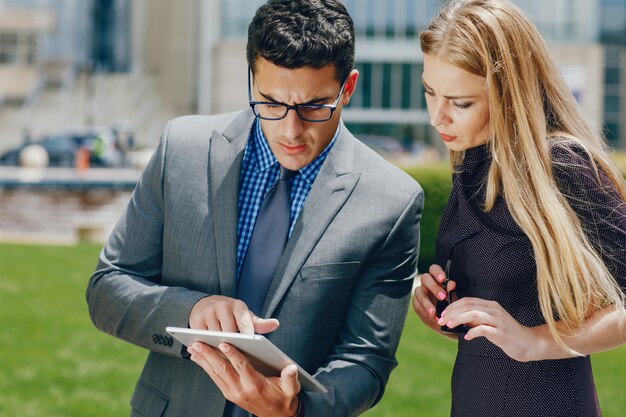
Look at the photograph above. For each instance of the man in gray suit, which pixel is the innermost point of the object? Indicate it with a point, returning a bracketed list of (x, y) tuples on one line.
[(336, 296)]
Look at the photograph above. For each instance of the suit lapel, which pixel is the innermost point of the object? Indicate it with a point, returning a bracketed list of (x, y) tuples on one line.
[(225, 158), (331, 189)]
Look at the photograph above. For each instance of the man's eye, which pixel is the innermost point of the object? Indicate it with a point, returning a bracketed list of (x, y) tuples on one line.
[(312, 109)]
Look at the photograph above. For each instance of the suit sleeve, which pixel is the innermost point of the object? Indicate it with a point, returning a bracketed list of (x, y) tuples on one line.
[(124, 295), (363, 357)]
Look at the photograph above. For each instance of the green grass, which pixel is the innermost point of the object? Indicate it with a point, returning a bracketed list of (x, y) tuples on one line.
[(54, 363)]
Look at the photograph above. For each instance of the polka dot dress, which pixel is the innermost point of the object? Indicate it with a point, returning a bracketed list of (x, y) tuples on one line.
[(491, 258)]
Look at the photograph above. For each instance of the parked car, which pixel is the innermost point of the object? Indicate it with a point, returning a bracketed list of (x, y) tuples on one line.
[(62, 148)]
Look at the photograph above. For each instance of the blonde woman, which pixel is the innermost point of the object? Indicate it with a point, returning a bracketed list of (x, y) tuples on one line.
[(532, 240)]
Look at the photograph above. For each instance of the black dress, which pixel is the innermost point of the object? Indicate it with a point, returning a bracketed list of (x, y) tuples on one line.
[(492, 259)]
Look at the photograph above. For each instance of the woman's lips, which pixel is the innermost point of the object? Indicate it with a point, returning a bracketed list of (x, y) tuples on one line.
[(447, 138), (293, 150)]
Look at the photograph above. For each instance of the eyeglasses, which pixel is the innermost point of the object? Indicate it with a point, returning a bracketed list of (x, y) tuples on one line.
[(268, 110)]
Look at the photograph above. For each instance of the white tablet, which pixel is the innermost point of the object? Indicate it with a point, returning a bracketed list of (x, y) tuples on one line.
[(262, 354)]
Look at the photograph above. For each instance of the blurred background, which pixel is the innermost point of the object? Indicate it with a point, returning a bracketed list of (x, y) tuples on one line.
[(131, 65), (89, 85), (86, 87)]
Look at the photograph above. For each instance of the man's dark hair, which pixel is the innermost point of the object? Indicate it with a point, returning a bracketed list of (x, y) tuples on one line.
[(302, 33)]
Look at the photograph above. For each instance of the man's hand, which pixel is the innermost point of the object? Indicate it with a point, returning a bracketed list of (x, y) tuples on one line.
[(243, 385), (219, 313)]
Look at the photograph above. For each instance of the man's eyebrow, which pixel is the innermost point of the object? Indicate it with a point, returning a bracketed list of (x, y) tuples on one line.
[(449, 97), (272, 99)]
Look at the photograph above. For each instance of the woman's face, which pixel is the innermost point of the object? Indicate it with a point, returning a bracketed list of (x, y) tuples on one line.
[(457, 102)]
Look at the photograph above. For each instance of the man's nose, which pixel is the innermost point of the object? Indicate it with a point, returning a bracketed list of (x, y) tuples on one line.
[(292, 125)]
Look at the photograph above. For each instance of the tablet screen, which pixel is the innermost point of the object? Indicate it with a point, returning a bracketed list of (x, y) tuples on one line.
[(266, 358)]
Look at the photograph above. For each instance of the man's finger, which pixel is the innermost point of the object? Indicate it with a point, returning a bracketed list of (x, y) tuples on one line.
[(211, 323), (289, 380), (239, 362), (211, 361), (263, 326), (244, 318), (227, 321)]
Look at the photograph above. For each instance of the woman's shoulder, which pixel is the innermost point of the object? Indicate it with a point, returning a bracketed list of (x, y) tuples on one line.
[(578, 174), (573, 162), (568, 150)]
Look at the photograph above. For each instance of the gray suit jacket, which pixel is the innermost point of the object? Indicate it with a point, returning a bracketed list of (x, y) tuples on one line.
[(340, 292)]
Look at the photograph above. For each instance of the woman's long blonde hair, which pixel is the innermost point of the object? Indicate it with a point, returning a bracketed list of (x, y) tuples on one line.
[(529, 103)]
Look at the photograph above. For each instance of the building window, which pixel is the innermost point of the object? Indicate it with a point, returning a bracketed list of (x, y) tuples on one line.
[(18, 48), (611, 132), (611, 103), (389, 86)]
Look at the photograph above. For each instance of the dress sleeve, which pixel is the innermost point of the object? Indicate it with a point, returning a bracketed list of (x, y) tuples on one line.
[(597, 202)]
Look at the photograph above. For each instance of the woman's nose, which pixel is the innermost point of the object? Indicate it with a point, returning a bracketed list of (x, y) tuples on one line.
[(439, 115)]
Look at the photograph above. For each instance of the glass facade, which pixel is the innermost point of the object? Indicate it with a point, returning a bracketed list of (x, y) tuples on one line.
[(372, 18), (564, 21), (87, 31), (390, 82), (613, 36), (388, 56)]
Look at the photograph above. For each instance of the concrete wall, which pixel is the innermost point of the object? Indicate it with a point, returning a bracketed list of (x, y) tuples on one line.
[(230, 76), (59, 217), (583, 68), (170, 31)]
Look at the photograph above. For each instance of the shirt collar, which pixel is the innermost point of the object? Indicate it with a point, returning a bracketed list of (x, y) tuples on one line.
[(262, 152), (265, 159)]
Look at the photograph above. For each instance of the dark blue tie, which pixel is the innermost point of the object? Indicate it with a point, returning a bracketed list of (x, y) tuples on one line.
[(266, 244), (266, 247)]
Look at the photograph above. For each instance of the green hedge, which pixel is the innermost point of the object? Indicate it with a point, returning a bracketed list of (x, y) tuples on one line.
[(436, 180)]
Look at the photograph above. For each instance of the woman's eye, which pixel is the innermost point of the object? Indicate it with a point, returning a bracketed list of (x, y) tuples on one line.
[(462, 105)]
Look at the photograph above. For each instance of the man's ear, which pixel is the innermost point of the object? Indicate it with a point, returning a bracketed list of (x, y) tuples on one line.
[(350, 87)]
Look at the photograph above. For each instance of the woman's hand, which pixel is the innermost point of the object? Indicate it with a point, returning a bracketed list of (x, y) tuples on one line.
[(488, 319), (426, 295)]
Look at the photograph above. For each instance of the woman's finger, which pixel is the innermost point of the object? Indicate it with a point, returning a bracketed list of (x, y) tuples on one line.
[(471, 318), (437, 272), (433, 287), (422, 304), (482, 331)]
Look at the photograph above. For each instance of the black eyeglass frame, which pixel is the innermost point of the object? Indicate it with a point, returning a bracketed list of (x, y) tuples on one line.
[(297, 107)]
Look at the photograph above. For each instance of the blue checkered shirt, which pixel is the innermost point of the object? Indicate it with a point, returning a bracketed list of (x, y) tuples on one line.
[(259, 172)]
